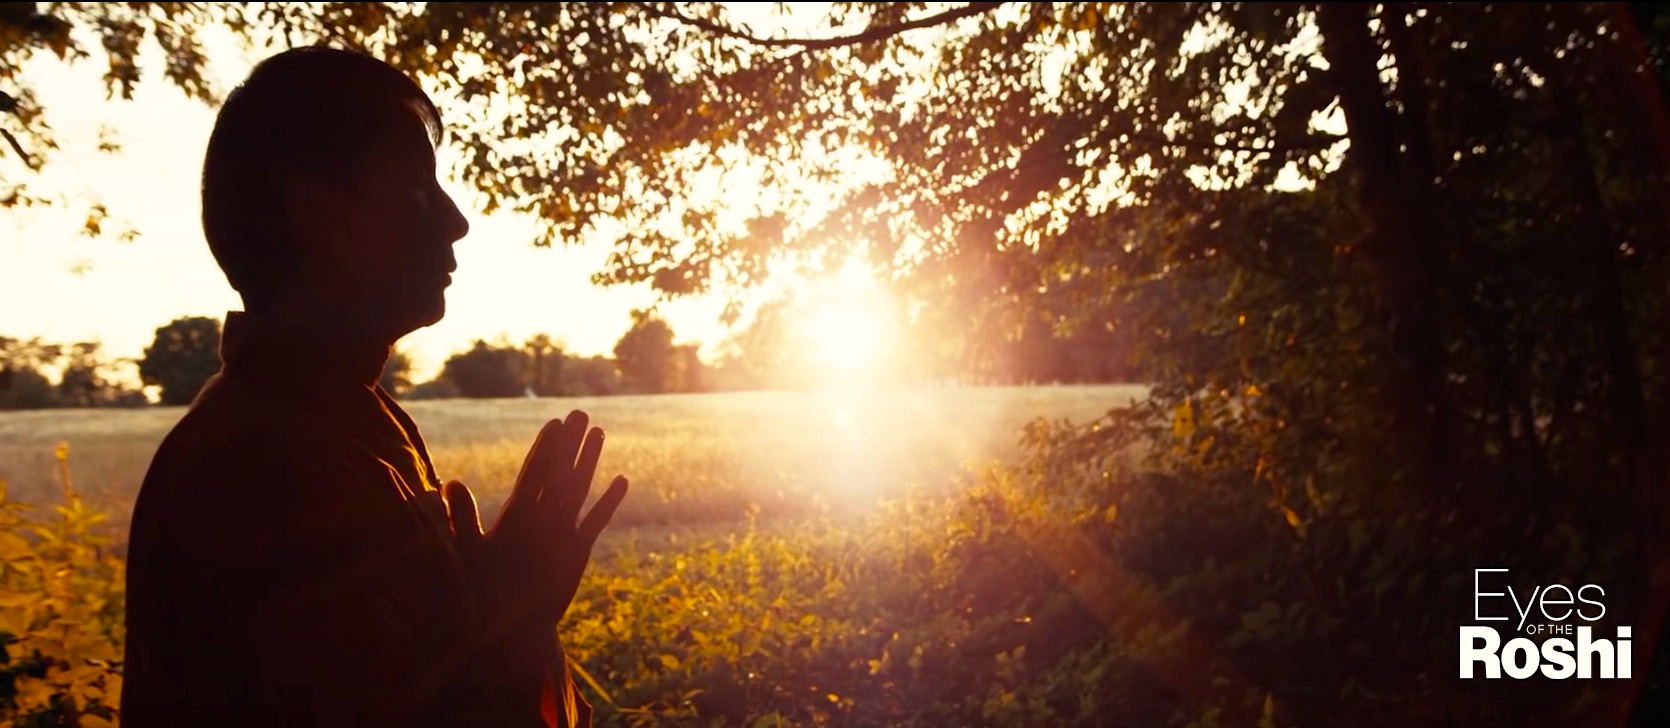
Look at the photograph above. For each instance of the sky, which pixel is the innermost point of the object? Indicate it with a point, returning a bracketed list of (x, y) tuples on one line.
[(64, 287)]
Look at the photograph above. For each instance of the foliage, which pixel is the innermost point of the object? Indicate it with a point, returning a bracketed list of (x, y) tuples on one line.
[(1449, 311), (60, 615), (396, 378), (645, 353), (486, 370), (544, 366), (28, 354), (119, 32), (539, 366), (438, 388), (182, 356), (26, 389), (1067, 586), (1397, 269), (593, 376), (86, 378)]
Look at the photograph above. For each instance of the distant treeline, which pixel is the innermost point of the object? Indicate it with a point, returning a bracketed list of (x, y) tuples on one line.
[(36, 374)]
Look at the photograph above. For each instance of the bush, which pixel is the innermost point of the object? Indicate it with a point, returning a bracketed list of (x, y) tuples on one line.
[(61, 610)]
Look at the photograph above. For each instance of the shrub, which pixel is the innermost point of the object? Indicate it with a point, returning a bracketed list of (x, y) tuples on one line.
[(61, 610)]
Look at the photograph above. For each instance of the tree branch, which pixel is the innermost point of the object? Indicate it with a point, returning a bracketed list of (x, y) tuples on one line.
[(28, 161), (868, 36)]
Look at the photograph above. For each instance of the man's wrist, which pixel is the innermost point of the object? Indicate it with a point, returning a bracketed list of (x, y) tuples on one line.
[(513, 666), (507, 652)]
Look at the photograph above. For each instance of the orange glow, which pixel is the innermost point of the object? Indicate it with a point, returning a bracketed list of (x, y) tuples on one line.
[(845, 328)]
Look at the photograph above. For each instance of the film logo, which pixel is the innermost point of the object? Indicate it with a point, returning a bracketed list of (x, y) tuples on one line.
[(1559, 617)]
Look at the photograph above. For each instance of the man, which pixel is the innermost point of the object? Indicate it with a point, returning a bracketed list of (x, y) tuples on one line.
[(292, 558)]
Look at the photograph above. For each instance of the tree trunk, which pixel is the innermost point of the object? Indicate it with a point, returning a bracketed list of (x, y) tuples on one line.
[(1405, 246)]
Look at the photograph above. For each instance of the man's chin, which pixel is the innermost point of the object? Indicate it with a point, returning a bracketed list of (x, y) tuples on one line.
[(433, 314), (419, 317)]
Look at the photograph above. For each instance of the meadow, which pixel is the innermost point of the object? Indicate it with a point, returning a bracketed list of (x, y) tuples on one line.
[(781, 560), (692, 458), (938, 557)]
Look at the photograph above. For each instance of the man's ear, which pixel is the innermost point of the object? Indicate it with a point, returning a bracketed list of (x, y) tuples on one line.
[(312, 207)]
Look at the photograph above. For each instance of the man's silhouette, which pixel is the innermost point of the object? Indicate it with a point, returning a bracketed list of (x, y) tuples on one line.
[(292, 559)]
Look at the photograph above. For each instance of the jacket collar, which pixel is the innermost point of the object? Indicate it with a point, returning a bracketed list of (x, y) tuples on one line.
[(314, 354)]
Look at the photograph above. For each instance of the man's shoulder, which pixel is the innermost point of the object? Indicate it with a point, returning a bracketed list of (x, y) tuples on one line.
[(232, 424), (232, 446)]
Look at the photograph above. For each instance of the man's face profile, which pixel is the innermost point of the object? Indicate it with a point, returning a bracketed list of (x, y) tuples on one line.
[(378, 238), (320, 197)]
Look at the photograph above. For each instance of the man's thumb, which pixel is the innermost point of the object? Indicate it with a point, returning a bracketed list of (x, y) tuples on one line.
[(461, 510)]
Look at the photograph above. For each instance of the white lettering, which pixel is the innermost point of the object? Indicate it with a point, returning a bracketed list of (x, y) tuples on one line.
[(1580, 598), (1519, 668), (1556, 657), (1588, 649), (1623, 653), (1556, 648), (1556, 651), (1546, 599), (1486, 654), (1477, 594), (1522, 611)]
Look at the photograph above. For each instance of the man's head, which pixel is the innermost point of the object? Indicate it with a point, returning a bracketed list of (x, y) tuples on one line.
[(320, 190)]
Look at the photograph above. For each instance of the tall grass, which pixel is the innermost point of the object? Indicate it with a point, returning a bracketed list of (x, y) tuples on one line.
[(1068, 586), (693, 459), (696, 609)]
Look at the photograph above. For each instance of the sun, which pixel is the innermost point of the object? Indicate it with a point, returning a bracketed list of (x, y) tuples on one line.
[(846, 338), (847, 330)]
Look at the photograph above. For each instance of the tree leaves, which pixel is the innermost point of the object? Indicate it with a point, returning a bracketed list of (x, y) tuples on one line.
[(121, 31), (182, 356)]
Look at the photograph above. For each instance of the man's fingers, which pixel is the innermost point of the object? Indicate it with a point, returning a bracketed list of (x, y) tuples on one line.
[(558, 467), (575, 429), (600, 514), (535, 472), (584, 471), (552, 457), (462, 513)]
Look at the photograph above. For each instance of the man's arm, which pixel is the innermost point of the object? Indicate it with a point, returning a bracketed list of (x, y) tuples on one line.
[(529, 565), (316, 600)]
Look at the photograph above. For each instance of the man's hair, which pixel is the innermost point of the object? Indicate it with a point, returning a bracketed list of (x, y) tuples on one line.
[(307, 111)]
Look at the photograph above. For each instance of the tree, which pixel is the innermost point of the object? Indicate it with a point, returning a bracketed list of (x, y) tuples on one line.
[(645, 353), (486, 370), (22, 385), (396, 378), (182, 356), (121, 32), (1446, 316), (86, 380), (26, 389), (81, 385), (685, 370), (593, 376), (438, 388), (545, 366), (20, 354), (766, 353)]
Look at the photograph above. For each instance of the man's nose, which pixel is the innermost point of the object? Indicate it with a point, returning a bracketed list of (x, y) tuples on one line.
[(452, 220)]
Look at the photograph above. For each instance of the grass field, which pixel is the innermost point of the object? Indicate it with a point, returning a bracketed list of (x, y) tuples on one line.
[(753, 576), (693, 459)]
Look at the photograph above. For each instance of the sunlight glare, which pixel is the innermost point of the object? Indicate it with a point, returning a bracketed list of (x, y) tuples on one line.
[(845, 337), (846, 325)]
